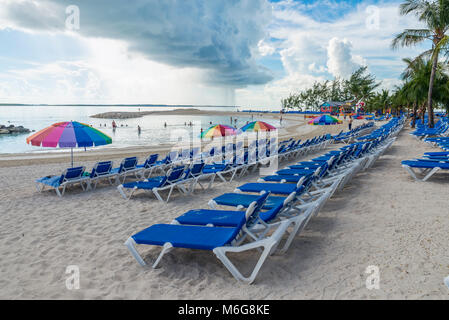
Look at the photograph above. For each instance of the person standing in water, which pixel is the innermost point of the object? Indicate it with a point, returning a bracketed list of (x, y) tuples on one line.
[(138, 130), (165, 124), (114, 125)]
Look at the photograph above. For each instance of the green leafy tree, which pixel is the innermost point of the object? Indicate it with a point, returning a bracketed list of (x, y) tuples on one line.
[(435, 16)]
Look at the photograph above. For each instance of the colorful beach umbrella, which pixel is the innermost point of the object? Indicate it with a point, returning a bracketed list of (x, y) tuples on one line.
[(324, 120), (219, 130), (257, 126), (69, 134)]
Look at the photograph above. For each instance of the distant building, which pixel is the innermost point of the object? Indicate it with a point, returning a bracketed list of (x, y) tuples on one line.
[(331, 107), (335, 107)]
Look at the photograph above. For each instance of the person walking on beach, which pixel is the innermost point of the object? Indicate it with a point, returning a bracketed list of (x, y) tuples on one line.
[(350, 123)]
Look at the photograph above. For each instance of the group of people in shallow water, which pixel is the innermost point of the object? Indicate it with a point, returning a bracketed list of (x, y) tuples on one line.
[(114, 126), (190, 124)]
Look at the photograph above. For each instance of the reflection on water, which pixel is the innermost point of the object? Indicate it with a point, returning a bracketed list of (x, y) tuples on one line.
[(154, 129)]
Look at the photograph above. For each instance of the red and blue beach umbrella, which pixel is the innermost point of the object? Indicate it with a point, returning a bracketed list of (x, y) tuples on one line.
[(219, 130), (257, 126), (69, 134), (324, 120)]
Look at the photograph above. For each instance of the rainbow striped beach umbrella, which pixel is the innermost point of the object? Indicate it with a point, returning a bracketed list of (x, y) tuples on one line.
[(69, 134), (324, 120), (219, 130), (257, 126)]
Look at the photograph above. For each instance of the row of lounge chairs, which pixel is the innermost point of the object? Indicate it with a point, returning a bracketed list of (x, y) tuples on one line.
[(185, 179), (441, 142), (348, 136), (422, 131), (266, 215), (422, 169), (220, 160), (88, 180)]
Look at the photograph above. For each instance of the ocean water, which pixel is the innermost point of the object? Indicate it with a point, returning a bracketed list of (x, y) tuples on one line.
[(153, 131)]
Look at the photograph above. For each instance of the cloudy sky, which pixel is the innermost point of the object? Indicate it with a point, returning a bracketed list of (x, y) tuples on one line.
[(215, 52)]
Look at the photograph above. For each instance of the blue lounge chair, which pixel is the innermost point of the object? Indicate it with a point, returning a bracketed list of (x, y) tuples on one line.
[(196, 174), (274, 188), (156, 184), (243, 200), (220, 240), (127, 166), (227, 167), (427, 168), (101, 170), (70, 176), (146, 168)]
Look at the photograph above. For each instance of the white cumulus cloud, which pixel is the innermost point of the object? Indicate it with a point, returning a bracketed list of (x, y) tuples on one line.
[(341, 62)]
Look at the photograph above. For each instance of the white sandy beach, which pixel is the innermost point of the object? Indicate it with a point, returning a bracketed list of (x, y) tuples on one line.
[(382, 218)]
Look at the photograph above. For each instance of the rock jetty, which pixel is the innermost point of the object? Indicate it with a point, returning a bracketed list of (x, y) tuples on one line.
[(120, 115), (13, 129)]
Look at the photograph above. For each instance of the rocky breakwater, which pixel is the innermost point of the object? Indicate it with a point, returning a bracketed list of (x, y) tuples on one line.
[(12, 129), (120, 115)]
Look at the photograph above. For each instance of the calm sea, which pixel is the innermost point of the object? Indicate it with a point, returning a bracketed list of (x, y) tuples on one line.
[(153, 131)]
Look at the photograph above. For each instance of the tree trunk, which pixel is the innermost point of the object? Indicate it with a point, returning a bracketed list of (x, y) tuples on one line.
[(415, 106), (429, 96), (423, 107)]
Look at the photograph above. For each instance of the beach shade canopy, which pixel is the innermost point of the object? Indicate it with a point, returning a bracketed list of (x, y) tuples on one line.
[(324, 120), (70, 134), (257, 126), (219, 130)]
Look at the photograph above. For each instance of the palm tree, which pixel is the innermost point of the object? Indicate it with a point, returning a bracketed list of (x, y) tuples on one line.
[(416, 84), (435, 15), (416, 77)]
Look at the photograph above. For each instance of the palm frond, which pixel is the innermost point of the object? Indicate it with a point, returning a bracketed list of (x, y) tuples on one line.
[(412, 6), (411, 37)]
